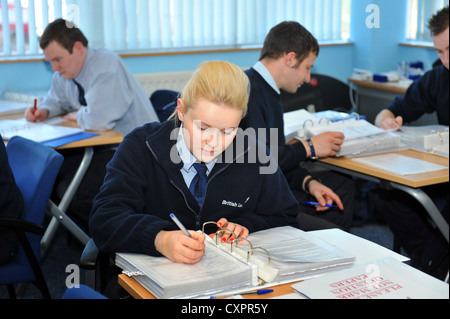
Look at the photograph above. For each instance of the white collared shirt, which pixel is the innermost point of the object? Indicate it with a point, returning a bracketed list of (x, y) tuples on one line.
[(188, 171), (262, 70)]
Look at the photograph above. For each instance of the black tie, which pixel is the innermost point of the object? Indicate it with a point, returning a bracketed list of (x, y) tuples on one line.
[(198, 184), (81, 98)]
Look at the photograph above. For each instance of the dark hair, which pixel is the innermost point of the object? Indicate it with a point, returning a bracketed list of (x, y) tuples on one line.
[(64, 32), (289, 36), (439, 22)]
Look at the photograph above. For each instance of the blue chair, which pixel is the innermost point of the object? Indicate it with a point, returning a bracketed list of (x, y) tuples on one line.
[(34, 167), (164, 102), (82, 292)]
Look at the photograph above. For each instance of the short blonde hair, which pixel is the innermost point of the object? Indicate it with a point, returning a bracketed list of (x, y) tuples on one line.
[(219, 82)]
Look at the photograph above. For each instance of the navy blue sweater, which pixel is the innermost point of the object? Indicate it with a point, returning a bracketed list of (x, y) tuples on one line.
[(265, 110), (143, 185), (428, 94)]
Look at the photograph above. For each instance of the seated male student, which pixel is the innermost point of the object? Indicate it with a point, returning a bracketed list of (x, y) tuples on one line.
[(94, 88), (11, 205), (287, 57), (405, 216)]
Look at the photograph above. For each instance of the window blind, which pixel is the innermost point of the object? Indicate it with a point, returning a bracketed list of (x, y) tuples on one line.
[(152, 25), (419, 13)]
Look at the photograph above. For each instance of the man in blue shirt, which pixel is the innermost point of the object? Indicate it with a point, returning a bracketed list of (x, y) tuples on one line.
[(112, 100), (94, 88)]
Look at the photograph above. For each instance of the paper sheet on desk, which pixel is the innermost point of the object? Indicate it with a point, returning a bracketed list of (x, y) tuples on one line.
[(399, 164)]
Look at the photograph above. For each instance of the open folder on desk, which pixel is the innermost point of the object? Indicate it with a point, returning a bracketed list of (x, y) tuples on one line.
[(361, 137), (268, 257), (50, 135)]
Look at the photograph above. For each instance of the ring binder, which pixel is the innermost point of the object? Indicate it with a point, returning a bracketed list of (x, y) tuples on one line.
[(361, 137), (292, 255)]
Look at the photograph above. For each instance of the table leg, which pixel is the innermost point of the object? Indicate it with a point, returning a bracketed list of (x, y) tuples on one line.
[(58, 212)]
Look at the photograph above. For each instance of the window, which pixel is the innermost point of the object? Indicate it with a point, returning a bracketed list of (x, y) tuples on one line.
[(419, 13), (164, 25)]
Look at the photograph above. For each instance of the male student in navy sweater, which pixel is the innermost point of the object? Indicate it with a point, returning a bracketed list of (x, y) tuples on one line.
[(288, 54), (426, 247)]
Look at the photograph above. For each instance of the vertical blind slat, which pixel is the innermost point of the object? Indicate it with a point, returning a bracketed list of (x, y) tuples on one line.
[(5, 28), (32, 36), (20, 34), (161, 24)]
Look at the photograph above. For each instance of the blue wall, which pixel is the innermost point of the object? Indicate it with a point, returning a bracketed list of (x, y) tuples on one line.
[(374, 49)]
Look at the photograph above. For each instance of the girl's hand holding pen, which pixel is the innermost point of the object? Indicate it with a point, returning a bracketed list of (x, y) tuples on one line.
[(180, 248)]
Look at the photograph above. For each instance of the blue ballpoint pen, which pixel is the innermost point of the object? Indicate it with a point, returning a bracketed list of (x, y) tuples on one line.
[(317, 204), (180, 225)]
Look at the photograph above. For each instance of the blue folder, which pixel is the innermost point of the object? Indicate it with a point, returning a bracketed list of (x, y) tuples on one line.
[(69, 139)]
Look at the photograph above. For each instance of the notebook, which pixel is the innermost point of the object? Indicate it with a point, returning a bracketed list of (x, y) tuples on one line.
[(266, 258), (361, 137), (42, 132)]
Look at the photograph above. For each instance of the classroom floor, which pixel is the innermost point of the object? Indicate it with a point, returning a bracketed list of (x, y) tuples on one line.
[(65, 251)]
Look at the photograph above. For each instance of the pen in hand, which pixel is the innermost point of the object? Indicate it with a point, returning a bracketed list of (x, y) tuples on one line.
[(318, 204), (180, 225)]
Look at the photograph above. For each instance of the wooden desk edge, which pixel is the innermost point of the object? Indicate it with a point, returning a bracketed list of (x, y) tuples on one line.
[(415, 181), (136, 290), (381, 86)]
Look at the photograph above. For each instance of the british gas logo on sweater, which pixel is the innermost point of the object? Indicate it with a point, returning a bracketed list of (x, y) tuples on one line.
[(234, 204)]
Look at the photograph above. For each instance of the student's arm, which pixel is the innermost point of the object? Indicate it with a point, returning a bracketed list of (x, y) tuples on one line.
[(55, 103), (323, 194), (325, 144)]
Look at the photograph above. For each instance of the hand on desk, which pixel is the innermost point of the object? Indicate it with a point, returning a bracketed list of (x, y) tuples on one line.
[(324, 195), (180, 248), (391, 123), (34, 114), (325, 144), (387, 120)]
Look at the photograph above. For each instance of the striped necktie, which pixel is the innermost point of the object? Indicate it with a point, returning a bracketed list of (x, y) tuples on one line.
[(81, 98), (198, 184)]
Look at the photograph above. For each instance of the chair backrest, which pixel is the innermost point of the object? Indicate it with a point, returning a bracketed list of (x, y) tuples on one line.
[(164, 103), (35, 168), (324, 92)]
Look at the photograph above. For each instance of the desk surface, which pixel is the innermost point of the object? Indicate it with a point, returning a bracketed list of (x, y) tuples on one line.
[(415, 181), (390, 87), (136, 290), (109, 137), (104, 138)]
